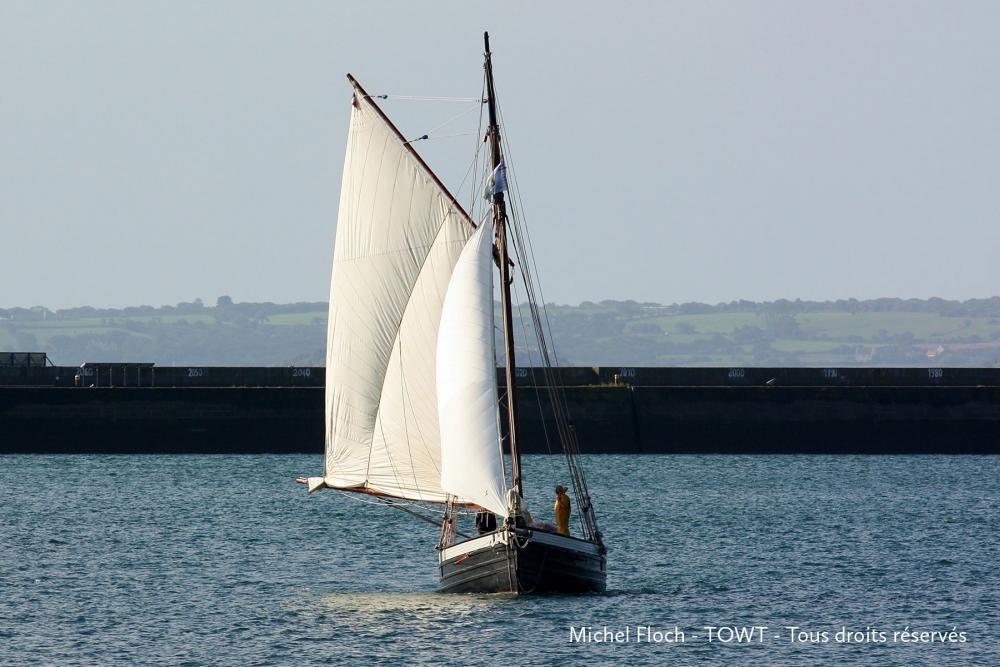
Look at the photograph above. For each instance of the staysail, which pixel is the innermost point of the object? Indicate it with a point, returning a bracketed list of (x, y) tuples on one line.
[(399, 234), (471, 463)]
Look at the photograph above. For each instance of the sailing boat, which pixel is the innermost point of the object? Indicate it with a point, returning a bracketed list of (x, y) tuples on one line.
[(413, 411)]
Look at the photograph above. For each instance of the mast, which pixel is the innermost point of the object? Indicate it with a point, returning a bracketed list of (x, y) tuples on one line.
[(500, 220)]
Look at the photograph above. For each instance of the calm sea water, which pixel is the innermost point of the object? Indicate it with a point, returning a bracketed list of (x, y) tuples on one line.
[(224, 560)]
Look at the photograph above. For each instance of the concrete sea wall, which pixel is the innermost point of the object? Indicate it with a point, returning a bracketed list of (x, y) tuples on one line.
[(134, 408)]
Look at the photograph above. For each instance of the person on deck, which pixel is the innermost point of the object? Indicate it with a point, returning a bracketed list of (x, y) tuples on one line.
[(562, 509), (486, 522)]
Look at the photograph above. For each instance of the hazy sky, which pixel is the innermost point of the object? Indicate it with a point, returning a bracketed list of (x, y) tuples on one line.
[(155, 152)]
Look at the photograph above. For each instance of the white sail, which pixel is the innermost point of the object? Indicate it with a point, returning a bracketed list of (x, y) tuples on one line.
[(471, 462), (399, 235)]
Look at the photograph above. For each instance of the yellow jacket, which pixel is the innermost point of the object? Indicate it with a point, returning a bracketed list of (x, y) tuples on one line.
[(561, 509)]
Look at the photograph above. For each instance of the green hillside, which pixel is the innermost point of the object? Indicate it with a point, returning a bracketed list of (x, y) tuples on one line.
[(884, 332)]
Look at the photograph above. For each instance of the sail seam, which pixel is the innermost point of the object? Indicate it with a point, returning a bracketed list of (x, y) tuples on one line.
[(420, 435), (388, 231), (375, 197), (388, 455), (364, 168), (392, 195), (406, 430), (406, 394)]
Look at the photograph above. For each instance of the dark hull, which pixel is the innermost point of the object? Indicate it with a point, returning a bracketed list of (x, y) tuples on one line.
[(533, 563)]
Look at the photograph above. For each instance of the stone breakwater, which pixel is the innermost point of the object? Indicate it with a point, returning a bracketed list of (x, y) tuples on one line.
[(140, 408)]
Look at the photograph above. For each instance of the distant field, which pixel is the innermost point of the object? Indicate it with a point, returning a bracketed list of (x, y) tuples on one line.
[(70, 324), (306, 318), (607, 333), (679, 328), (838, 325), (721, 323), (805, 346), (921, 325)]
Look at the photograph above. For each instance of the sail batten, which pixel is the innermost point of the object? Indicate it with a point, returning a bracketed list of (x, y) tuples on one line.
[(399, 234)]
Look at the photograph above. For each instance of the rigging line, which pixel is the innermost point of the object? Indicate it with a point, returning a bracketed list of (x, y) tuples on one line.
[(530, 256), (527, 232), (421, 516), (438, 127), (477, 187), (452, 136), (468, 171), (556, 394), (502, 398), (524, 333), (394, 131), (521, 253), (393, 500), (441, 136), (352, 495), (381, 500), (452, 119), (429, 98), (559, 417), (503, 464), (493, 344), (475, 159), (449, 523), (538, 396)]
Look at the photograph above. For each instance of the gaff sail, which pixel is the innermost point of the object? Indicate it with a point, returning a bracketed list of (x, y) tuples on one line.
[(399, 234)]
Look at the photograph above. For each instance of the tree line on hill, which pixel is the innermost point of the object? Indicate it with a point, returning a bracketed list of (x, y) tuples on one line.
[(607, 333)]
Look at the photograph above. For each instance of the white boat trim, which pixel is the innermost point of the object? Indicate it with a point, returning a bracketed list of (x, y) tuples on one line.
[(565, 542), (503, 537), (475, 544)]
